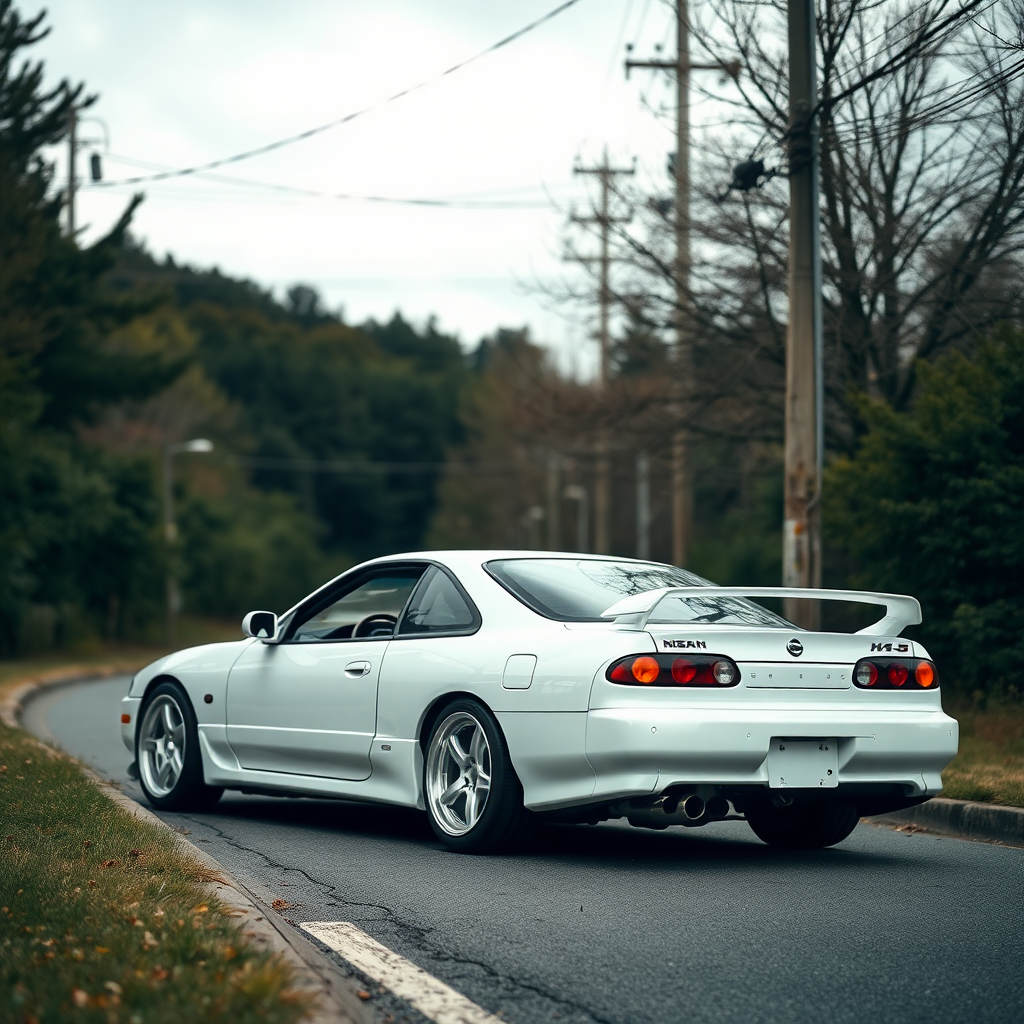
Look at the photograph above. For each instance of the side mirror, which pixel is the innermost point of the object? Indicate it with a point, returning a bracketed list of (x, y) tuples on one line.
[(261, 625)]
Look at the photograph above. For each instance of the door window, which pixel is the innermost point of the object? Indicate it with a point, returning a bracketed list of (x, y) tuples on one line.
[(439, 606), (369, 610)]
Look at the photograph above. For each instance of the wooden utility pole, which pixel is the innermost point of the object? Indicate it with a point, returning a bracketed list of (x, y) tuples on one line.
[(72, 148), (804, 382), (682, 468), (604, 220)]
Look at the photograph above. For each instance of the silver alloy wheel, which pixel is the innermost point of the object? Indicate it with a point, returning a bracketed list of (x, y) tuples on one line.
[(162, 745), (458, 774)]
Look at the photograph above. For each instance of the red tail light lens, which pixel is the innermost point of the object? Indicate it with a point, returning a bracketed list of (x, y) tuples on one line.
[(683, 671), (895, 674), (666, 670)]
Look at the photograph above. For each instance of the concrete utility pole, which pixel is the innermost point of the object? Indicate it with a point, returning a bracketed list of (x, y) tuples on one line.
[(801, 565), (682, 468), (554, 496), (643, 506), (603, 219), (72, 148)]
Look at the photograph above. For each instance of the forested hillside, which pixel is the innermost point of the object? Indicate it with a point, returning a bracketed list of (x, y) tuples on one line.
[(326, 437)]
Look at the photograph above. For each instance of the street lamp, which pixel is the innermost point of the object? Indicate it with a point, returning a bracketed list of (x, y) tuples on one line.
[(173, 597)]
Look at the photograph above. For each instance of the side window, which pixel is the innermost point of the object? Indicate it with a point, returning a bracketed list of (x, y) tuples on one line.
[(438, 607), (368, 610)]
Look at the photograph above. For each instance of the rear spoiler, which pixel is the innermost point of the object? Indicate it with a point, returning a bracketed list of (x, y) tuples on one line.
[(901, 610)]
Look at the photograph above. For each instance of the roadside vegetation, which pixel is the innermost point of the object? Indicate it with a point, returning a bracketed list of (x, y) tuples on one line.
[(990, 765), (104, 920)]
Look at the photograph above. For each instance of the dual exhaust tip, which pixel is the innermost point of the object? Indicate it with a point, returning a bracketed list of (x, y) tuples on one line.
[(681, 809), (695, 808)]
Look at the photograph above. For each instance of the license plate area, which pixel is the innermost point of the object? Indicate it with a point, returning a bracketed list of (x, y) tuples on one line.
[(803, 764)]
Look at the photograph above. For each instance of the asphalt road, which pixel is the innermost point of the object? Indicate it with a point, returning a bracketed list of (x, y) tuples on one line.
[(615, 924)]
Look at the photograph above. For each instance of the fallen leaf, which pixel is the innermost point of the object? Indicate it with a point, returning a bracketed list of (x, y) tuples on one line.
[(110, 864), (80, 997), (87, 843), (201, 909), (134, 853), (112, 986), (92, 883), (363, 994), (230, 953), (3, 768), (159, 974), (28, 760), (102, 949), (149, 941), (159, 912)]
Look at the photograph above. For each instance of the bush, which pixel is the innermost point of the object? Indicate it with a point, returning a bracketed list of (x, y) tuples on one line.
[(932, 504)]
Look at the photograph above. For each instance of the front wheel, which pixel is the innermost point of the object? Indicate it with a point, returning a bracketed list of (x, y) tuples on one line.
[(473, 795), (809, 826), (167, 753)]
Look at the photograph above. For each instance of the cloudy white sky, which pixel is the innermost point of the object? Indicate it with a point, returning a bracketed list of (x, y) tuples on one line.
[(189, 81)]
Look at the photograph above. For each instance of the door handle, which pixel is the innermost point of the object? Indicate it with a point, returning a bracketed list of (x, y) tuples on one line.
[(355, 669)]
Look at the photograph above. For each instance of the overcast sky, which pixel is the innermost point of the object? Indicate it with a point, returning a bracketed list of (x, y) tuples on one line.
[(191, 81)]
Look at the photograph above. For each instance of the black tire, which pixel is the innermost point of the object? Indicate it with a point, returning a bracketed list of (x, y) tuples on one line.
[(184, 789), (803, 826), (503, 824)]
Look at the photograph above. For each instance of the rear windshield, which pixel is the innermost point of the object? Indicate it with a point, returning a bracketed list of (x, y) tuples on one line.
[(580, 589)]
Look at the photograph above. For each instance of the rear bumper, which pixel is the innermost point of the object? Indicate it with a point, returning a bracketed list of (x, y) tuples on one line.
[(638, 751)]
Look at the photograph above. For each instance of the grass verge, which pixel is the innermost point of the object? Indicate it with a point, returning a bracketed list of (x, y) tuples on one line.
[(990, 765), (104, 919)]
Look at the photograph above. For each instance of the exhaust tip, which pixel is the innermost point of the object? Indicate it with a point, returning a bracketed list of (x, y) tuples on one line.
[(717, 807), (693, 807)]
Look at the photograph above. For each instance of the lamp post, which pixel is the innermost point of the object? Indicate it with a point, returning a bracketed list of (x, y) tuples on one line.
[(172, 595)]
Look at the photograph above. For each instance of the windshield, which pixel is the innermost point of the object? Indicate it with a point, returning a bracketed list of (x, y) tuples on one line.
[(580, 589)]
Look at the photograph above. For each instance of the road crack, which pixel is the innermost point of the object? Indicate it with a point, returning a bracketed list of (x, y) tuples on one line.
[(416, 936)]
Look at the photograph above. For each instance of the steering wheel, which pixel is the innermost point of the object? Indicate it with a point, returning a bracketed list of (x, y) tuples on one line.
[(377, 624)]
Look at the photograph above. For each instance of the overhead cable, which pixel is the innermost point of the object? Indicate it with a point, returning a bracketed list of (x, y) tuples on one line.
[(280, 143)]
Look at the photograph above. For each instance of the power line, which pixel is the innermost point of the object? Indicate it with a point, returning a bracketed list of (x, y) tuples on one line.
[(270, 146), (357, 466), (466, 203)]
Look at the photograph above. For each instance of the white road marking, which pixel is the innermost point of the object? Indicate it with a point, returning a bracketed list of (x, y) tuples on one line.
[(433, 998)]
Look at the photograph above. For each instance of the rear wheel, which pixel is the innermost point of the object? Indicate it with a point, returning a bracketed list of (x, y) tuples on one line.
[(167, 753), (803, 826), (473, 795)]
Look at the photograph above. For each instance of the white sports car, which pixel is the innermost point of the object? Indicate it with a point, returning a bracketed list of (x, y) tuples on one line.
[(495, 689)]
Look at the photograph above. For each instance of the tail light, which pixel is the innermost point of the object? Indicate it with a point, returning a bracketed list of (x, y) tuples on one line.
[(666, 670), (895, 674)]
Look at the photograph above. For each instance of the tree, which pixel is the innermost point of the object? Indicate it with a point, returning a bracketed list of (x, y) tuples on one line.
[(922, 204), (76, 538), (932, 503)]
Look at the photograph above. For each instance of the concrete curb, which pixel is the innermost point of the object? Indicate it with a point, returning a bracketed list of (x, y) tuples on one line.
[(964, 819), (335, 999)]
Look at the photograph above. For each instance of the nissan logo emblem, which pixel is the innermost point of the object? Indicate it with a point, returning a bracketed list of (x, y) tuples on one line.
[(795, 647)]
